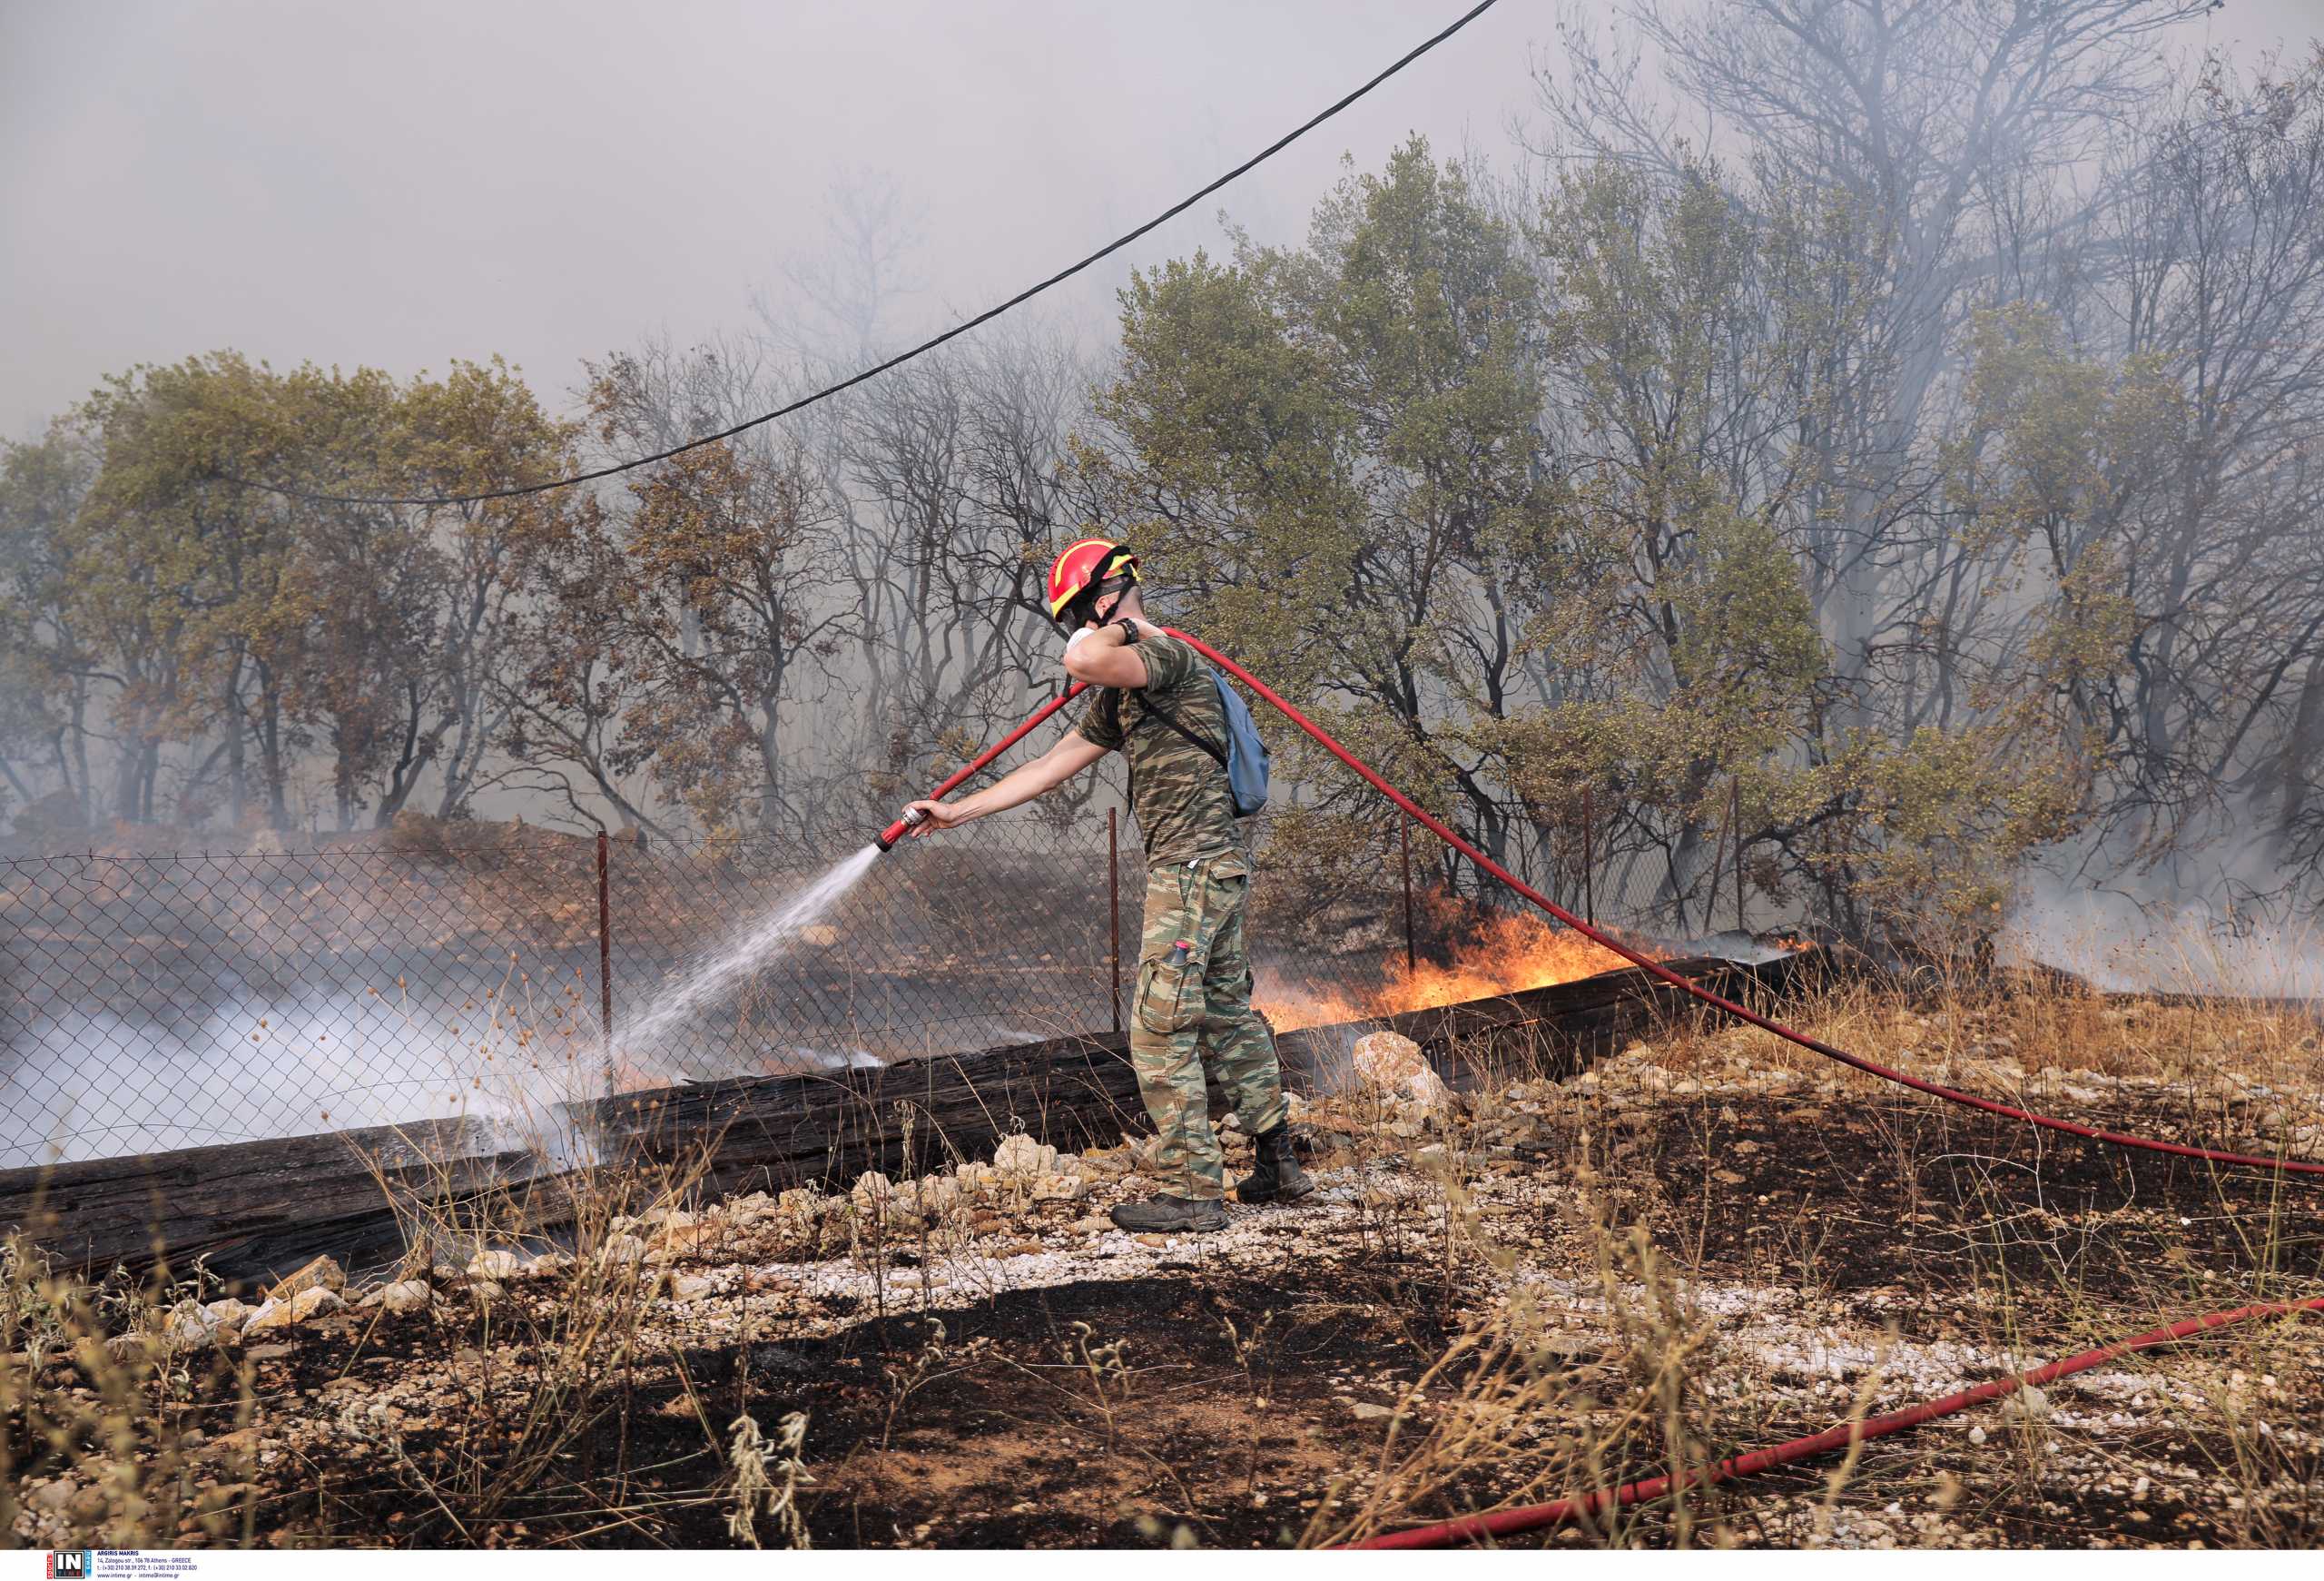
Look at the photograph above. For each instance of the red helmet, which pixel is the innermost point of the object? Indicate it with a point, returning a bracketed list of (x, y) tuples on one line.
[(1086, 563)]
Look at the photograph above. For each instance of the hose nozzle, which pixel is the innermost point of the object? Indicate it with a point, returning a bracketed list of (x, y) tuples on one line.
[(894, 831)]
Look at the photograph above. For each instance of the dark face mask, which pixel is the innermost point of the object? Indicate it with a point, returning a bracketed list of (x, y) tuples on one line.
[(1083, 611)]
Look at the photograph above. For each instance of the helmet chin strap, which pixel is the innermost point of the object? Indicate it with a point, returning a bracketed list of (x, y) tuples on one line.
[(1110, 610)]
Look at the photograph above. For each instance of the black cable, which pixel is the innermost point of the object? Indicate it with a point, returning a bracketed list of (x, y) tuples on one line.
[(1173, 212)]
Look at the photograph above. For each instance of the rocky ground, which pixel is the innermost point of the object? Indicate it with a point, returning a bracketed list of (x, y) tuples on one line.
[(1693, 1248)]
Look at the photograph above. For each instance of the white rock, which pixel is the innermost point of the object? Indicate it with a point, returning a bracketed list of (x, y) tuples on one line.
[(190, 1324), (691, 1288), (483, 1291), (314, 1303), (1390, 1063), (281, 1314), (1060, 1189), (871, 1186), (2027, 1404), (494, 1265), (406, 1296), (623, 1249), (1021, 1155)]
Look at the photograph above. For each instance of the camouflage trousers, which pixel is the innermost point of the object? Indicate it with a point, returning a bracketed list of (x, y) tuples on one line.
[(1192, 1008)]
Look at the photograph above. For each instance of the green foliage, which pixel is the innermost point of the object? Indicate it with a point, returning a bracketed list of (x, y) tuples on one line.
[(1331, 454), (209, 609), (705, 611), (1519, 528)]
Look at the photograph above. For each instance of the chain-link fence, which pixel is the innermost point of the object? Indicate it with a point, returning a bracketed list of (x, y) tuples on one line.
[(161, 1001)]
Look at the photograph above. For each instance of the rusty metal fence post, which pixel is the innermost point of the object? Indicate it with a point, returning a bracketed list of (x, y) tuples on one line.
[(1114, 908), (606, 957), (1404, 840), (1735, 816), (1589, 861), (1717, 865)]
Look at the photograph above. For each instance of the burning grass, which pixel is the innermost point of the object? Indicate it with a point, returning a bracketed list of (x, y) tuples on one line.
[(1704, 1244)]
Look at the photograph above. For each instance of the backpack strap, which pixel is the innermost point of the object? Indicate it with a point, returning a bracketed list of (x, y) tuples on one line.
[(1218, 752), (1112, 703)]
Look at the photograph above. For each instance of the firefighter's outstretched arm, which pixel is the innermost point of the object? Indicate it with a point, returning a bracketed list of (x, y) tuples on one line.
[(1052, 769)]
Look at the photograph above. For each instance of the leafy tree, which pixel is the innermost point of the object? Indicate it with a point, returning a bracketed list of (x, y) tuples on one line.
[(716, 598), (167, 558), (45, 679), (1333, 454)]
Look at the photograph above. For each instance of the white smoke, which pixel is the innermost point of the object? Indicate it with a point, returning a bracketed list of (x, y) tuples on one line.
[(96, 1083), (2123, 944), (100, 1084)]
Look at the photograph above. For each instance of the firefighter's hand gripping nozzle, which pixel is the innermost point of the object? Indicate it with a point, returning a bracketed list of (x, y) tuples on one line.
[(896, 831)]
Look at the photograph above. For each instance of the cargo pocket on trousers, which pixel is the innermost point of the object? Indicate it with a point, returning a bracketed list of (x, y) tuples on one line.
[(1169, 992)]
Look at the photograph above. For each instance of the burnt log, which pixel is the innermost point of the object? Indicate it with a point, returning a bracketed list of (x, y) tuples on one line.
[(252, 1208)]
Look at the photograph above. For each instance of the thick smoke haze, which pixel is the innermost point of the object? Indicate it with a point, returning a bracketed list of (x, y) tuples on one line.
[(700, 211), (399, 187)]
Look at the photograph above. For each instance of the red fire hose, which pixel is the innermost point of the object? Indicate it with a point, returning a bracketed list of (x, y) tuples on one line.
[(1739, 1013), (1533, 1518)]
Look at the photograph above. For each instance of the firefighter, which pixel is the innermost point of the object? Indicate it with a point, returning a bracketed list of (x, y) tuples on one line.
[(1156, 702)]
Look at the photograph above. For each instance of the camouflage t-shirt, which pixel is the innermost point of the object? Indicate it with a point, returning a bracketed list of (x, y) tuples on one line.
[(1177, 791)]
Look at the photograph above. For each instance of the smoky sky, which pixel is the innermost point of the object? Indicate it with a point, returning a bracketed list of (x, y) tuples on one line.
[(404, 186)]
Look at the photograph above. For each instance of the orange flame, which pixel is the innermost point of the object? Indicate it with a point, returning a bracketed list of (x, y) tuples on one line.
[(1506, 952)]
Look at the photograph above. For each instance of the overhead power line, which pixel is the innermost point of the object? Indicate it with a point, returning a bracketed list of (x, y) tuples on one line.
[(901, 358)]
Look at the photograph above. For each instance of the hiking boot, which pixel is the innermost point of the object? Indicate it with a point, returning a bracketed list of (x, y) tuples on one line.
[(1276, 1177), (1169, 1215)]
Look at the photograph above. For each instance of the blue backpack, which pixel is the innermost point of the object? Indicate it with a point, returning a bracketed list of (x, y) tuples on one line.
[(1245, 756)]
